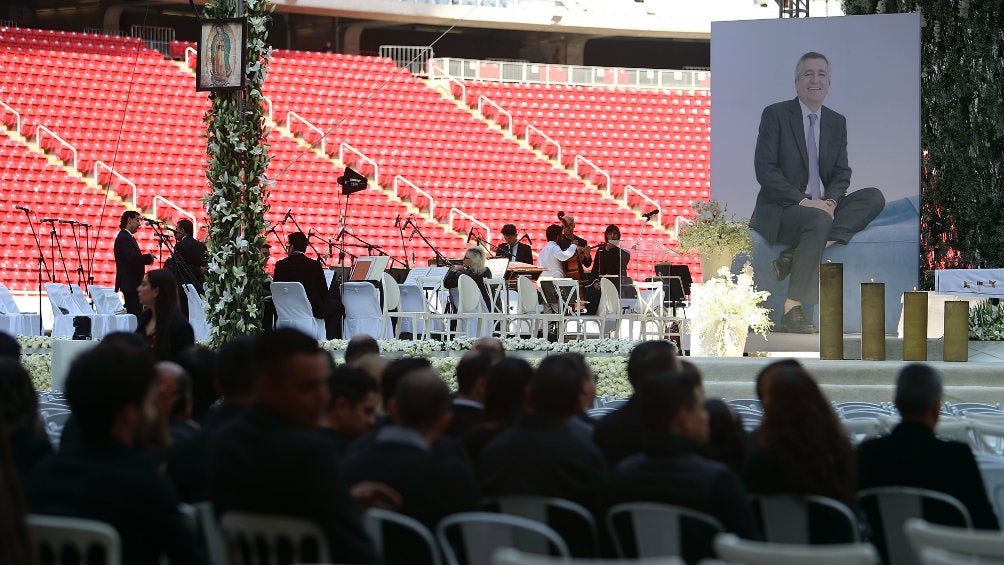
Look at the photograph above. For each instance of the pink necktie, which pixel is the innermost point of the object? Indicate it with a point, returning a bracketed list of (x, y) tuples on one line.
[(813, 160)]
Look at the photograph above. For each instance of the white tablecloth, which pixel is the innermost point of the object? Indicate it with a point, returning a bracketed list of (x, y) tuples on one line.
[(970, 282)]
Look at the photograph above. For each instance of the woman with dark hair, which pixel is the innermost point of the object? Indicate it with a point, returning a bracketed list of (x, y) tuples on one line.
[(726, 437), (505, 391), (800, 447), (28, 441), (165, 329), (610, 261)]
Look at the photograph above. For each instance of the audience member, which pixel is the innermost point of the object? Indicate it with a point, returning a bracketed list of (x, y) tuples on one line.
[(15, 541), (540, 454), (297, 267), (161, 323), (28, 442), (351, 411), (105, 474), (360, 345), (726, 435), (582, 423), (505, 393), (911, 456), (187, 461), (174, 386), (491, 344), (9, 347), (200, 363), (468, 404), (671, 469), (800, 447), (621, 433), (273, 459), (765, 374), (432, 484)]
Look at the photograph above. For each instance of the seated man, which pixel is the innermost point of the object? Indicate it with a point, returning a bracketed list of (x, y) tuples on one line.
[(351, 411), (432, 483), (911, 456), (273, 459), (468, 403), (671, 470), (107, 474), (542, 455), (512, 249)]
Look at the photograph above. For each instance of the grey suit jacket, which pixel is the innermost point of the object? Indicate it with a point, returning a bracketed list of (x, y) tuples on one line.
[(781, 162)]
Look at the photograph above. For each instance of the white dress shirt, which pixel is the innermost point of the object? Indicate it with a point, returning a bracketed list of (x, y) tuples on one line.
[(550, 258)]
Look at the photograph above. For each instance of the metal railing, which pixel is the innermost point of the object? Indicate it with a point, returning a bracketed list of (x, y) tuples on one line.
[(341, 157), (17, 116), (412, 57), (610, 77), (63, 142), (182, 211), (98, 165), (629, 190), (485, 101), (579, 159), (158, 38), (399, 180), (291, 115), (194, 56), (456, 213), (545, 137)]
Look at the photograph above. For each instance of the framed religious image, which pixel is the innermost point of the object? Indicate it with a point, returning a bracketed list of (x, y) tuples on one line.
[(222, 55)]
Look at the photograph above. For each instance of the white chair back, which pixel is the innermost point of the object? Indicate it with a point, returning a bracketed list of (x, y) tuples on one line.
[(481, 533), (363, 313), (413, 303), (73, 540), (471, 309), (256, 539), (293, 309), (196, 312), (976, 543), (735, 550), (13, 320)]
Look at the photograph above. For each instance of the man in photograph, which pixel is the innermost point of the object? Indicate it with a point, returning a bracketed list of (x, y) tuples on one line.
[(804, 203)]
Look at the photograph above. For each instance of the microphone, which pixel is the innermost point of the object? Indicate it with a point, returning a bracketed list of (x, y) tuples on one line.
[(152, 221), (470, 234), (23, 209), (648, 215), (71, 222), (412, 257), (526, 236), (287, 216), (50, 220), (83, 224), (397, 221), (413, 232)]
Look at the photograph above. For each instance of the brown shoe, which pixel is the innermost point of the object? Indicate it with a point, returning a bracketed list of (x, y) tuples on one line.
[(794, 322)]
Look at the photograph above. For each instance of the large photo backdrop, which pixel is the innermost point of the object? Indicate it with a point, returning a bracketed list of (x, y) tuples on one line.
[(874, 84)]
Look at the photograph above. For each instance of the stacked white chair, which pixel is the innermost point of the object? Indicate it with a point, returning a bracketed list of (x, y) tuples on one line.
[(64, 309), (363, 313), (109, 306)]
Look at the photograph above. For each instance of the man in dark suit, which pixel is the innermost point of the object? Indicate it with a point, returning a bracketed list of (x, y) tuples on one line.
[(621, 433), (911, 456), (801, 165), (129, 261), (187, 261), (671, 469), (541, 455), (512, 249), (273, 458), (297, 267), (107, 474), (433, 484), (468, 404)]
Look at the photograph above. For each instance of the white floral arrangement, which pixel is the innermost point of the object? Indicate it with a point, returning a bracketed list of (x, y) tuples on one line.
[(411, 348), (729, 302)]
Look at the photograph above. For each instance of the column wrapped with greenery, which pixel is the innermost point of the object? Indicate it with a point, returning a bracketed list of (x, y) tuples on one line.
[(236, 198)]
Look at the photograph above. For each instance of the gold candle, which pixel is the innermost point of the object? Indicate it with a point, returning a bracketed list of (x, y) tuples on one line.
[(915, 326), (956, 330), (873, 321), (831, 311)]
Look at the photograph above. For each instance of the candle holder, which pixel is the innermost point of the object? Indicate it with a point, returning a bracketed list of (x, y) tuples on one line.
[(956, 330), (915, 326), (831, 311), (873, 321)]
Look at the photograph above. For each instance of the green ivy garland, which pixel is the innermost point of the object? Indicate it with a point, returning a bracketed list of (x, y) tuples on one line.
[(236, 199)]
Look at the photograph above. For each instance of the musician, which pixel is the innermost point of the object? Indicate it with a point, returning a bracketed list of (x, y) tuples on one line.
[(576, 265), (474, 267), (610, 259), (552, 256), (512, 249)]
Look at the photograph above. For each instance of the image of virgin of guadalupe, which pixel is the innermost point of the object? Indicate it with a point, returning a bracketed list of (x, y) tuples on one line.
[(221, 66)]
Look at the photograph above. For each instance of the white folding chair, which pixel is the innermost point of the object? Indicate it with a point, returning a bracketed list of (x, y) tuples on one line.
[(527, 310), (197, 312), (481, 533), (391, 302), (607, 316), (63, 309), (73, 540), (412, 313), (363, 313), (806, 520), (974, 543), (935, 556), (211, 533), (390, 530), (733, 549), (473, 317), (13, 320), (293, 310), (649, 529), (264, 539), (511, 556), (498, 310), (888, 508)]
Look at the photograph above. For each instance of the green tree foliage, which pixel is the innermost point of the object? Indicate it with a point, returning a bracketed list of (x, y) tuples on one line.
[(236, 199), (962, 129)]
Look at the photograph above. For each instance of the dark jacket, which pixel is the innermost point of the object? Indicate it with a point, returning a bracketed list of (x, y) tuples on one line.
[(180, 336), (120, 486), (259, 463), (620, 434), (129, 262), (523, 252), (308, 272)]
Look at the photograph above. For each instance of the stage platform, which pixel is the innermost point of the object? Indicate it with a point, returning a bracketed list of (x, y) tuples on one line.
[(981, 379)]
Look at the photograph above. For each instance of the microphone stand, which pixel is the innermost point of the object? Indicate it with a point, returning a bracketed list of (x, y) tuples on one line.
[(404, 245), (441, 261), (57, 245), (484, 242), (41, 264), (311, 245), (80, 260)]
